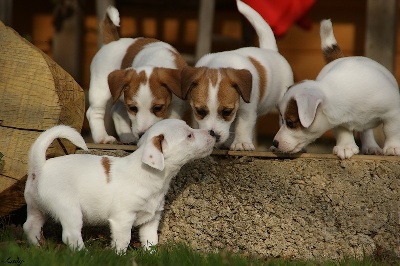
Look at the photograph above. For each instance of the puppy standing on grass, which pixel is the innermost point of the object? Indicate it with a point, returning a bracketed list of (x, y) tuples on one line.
[(237, 86), (139, 78), (124, 191), (350, 93)]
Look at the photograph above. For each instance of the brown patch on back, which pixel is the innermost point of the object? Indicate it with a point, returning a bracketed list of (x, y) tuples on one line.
[(262, 74), (332, 53), (157, 142), (292, 114), (105, 162), (109, 30), (134, 49), (180, 62)]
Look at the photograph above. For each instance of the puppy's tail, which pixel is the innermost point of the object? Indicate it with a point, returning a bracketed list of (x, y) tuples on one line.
[(109, 25), (37, 153), (329, 46), (265, 34)]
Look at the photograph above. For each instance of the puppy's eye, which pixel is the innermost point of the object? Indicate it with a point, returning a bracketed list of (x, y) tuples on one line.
[(289, 124), (201, 112), (157, 108), (226, 112), (133, 108)]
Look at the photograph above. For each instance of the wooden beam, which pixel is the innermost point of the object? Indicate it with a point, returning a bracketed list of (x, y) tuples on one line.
[(258, 154), (380, 43)]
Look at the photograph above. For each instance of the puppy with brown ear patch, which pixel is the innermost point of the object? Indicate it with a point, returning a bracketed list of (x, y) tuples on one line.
[(235, 87), (134, 83), (350, 94)]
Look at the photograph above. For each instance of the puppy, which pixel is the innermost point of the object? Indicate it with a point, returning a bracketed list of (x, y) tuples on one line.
[(237, 86), (139, 78), (350, 93), (125, 191)]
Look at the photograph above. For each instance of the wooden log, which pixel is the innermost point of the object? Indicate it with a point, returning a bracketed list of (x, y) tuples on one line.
[(36, 94)]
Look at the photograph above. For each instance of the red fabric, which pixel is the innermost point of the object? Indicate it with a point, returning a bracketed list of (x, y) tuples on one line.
[(282, 14)]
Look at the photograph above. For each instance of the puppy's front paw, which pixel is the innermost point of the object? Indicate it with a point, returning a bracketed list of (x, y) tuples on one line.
[(108, 140), (373, 150), (242, 146), (345, 152), (391, 150)]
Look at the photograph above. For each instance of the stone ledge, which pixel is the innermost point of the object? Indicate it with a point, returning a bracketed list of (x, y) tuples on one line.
[(310, 207)]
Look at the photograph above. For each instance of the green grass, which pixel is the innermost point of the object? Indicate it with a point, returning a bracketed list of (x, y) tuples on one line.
[(14, 250)]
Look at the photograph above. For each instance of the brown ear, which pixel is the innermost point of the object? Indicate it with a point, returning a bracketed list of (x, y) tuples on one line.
[(171, 79), (242, 81), (118, 81), (189, 76)]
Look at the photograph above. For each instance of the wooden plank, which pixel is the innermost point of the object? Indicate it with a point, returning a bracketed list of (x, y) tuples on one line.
[(259, 154)]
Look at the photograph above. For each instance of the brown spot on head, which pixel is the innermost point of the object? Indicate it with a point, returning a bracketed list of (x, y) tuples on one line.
[(262, 74), (134, 49), (105, 162), (157, 142), (291, 115), (233, 83)]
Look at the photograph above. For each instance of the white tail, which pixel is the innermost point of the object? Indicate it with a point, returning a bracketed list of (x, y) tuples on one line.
[(326, 32), (265, 34), (37, 153), (113, 14), (329, 45)]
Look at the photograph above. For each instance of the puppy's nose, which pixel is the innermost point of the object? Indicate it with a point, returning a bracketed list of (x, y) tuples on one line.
[(275, 143), (212, 133)]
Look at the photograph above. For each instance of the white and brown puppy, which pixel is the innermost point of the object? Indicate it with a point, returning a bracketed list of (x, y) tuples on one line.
[(124, 192), (237, 86), (350, 94), (139, 78)]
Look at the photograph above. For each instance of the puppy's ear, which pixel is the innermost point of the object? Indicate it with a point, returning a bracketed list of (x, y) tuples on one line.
[(118, 81), (307, 104), (153, 153), (189, 79), (170, 79), (242, 81)]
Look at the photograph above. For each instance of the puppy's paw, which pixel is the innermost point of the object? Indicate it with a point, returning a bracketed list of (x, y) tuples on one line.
[(373, 150), (108, 140), (242, 146), (345, 152), (391, 150)]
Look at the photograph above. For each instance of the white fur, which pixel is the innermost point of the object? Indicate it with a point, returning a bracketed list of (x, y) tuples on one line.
[(279, 78), (103, 117), (349, 94), (114, 15), (74, 189), (327, 37)]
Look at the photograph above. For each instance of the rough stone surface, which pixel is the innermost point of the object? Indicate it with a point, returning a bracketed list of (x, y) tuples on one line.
[(297, 208)]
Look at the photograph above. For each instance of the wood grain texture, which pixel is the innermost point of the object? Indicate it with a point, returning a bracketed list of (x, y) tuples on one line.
[(36, 94)]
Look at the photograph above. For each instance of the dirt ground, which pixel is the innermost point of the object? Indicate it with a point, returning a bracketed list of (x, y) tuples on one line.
[(292, 208)]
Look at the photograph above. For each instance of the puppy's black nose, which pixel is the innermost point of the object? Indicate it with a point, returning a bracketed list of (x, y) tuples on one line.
[(275, 143), (215, 135), (212, 133)]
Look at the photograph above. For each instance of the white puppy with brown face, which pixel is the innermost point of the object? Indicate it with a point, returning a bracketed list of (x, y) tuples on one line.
[(235, 87), (134, 83), (349, 94), (124, 192)]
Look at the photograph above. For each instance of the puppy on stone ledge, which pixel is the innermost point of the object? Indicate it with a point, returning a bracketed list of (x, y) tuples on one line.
[(349, 94)]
